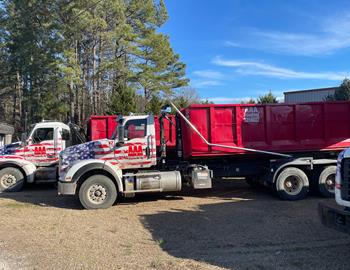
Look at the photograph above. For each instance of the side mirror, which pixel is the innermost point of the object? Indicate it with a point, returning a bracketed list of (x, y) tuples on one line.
[(120, 134), (166, 109), (24, 138)]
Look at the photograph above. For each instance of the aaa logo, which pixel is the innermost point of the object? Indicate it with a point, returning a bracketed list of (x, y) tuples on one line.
[(135, 151), (39, 151)]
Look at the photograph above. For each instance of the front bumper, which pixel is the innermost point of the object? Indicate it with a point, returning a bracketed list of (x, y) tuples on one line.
[(335, 217), (67, 188)]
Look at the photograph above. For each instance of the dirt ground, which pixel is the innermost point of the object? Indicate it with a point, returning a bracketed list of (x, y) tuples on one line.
[(231, 226)]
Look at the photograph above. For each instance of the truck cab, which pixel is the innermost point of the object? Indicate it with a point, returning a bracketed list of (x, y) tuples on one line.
[(35, 158), (131, 146), (45, 142), (125, 164)]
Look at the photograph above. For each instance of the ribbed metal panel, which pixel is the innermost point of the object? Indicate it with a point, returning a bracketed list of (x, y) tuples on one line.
[(308, 95)]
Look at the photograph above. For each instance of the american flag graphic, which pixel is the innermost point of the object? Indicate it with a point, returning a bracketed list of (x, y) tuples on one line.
[(9, 149), (129, 155), (78, 152)]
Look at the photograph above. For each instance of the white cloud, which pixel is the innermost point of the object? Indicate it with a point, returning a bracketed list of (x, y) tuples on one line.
[(257, 68), (227, 100), (330, 35), (235, 100), (208, 74), (207, 78), (231, 44), (198, 83)]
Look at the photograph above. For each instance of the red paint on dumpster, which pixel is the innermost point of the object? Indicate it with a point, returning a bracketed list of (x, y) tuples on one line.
[(273, 127)]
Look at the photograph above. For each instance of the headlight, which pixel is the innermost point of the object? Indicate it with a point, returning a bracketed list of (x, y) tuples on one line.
[(338, 169)]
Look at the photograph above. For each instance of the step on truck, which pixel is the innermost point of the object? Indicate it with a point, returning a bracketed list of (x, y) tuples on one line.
[(290, 148), (35, 157)]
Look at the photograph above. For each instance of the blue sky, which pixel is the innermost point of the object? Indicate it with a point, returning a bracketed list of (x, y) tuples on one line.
[(237, 49)]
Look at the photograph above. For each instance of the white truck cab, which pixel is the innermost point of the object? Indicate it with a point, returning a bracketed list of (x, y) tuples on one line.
[(98, 171), (338, 216), (34, 159)]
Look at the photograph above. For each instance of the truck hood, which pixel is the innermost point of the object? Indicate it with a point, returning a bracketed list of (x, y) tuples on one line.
[(9, 149), (83, 151)]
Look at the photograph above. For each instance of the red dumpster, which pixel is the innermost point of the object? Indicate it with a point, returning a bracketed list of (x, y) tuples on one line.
[(322, 126)]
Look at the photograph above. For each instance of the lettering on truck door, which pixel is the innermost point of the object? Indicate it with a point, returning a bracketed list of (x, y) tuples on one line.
[(133, 154), (42, 148)]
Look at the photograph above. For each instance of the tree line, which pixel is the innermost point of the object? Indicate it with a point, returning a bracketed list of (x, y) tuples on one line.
[(68, 59), (341, 93)]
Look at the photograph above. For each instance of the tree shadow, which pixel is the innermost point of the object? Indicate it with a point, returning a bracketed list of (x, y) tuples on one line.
[(251, 232), (43, 195)]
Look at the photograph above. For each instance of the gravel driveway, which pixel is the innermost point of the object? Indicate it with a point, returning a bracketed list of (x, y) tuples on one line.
[(231, 226)]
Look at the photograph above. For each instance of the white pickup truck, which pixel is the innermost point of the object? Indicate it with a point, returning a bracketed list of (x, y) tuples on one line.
[(337, 216)]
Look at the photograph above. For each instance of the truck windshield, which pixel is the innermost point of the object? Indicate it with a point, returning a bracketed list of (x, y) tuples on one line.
[(29, 134)]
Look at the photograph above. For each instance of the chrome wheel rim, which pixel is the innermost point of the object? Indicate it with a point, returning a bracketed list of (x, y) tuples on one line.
[(8, 180), (292, 185), (330, 183), (97, 194)]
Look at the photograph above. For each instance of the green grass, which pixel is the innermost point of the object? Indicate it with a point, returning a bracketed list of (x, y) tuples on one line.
[(160, 241)]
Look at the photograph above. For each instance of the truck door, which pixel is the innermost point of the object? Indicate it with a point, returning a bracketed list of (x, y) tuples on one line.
[(139, 148), (65, 138), (42, 146)]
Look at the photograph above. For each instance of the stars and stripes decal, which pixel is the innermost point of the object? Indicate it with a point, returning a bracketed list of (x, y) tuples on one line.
[(78, 152), (9, 149), (130, 155), (42, 154)]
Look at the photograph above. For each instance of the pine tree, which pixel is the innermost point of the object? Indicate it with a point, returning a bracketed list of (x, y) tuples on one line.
[(343, 92), (69, 59), (122, 101), (155, 104), (268, 98), (158, 69)]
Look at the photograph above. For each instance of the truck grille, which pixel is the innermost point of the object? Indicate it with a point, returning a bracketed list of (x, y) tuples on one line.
[(345, 177)]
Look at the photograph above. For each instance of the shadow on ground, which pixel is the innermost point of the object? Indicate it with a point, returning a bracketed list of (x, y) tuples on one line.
[(257, 232), (46, 195)]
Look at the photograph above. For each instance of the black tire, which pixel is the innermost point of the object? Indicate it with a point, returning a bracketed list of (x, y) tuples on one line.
[(11, 179), (326, 181), (97, 192), (292, 184)]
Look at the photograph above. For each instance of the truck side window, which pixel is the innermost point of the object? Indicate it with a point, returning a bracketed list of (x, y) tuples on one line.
[(136, 128), (42, 134), (65, 135)]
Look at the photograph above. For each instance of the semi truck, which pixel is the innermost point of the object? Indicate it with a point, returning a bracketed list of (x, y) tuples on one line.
[(287, 147), (35, 158), (336, 215)]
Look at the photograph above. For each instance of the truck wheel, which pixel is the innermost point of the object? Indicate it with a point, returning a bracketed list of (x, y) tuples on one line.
[(11, 180), (97, 192), (326, 181), (292, 184)]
